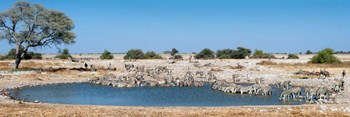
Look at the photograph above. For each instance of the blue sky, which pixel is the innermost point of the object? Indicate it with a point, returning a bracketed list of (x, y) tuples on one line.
[(190, 25)]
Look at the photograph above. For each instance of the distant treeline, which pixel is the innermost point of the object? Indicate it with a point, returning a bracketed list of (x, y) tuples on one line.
[(206, 53), (342, 52)]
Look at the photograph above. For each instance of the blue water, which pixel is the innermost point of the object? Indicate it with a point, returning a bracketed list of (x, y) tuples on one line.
[(91, 94)]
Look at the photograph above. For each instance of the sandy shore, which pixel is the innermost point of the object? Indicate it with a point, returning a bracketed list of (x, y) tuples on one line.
[(270, 74), (87, 110)]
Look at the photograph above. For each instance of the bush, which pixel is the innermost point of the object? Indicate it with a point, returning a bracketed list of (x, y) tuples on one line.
[(106, 55), (11, 54), (178, 57), (261, 54), (2, 57), (240, 53), (205, 54), (308, 52), (64, 54), (325, 56), (152, 55), (293, 56), (134, 54), (29, 55), (224, 54), (32, 55), (174, 51)]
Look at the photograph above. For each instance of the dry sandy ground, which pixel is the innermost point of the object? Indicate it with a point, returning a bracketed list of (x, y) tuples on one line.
[(224, 69), (105, 111)]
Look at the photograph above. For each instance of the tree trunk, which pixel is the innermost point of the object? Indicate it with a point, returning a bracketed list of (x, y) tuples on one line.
[(19, 55), (17, 62)]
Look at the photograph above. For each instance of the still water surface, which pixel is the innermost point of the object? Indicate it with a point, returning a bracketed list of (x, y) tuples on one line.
[(91, 94)]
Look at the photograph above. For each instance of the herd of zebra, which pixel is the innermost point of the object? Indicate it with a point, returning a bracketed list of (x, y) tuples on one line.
[(162, 76), (308, 93), (154, 76), (260, 88)]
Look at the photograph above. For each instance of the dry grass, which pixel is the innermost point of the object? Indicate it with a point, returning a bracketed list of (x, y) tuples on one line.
[(234, 67), (271, 63), (301, 77), (215, 69), (36, 64), (5, 65)]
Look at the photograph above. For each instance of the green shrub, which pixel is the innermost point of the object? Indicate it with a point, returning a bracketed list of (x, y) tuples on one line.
[(64, 54), (106, 55), (293, 56), (261, 54), (205, 54), (240, 53), (178, 57), (308, 52), (11, 54), (152, 55), (224, 54), (325, 56), (32, 55), (29, 55), (134, 54)]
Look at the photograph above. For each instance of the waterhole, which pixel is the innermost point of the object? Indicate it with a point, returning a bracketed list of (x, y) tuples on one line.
[(91, 94)]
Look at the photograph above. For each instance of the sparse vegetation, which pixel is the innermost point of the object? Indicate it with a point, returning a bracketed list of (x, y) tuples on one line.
[(240, 53), (2, 57), (22, 69), (306, 65), (205, 54), (28, 55), (106, 55), (224, 54), (260, 54), (173, 52), (152, 55), (11, 54), (266, 62), (178, 57), (325, 56), (342, 52), (308, 52), (33, 55), (293, 56), (134, 54), (138, 54), (64, 54)]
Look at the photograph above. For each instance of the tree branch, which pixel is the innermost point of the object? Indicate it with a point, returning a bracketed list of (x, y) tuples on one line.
[(4, 25)]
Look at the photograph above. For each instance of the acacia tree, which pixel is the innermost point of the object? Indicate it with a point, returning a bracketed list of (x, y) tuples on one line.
[(27, 25), (174, 51)]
